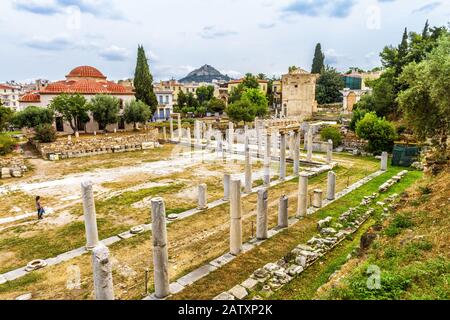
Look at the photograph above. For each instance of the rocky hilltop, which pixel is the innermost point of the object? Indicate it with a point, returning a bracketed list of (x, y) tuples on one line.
[(205, 73)]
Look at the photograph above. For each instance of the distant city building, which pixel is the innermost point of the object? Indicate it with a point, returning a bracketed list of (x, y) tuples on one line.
[(356, 86), (263, 85), (87, 81), (9, 96), (298, 94), (165, 104)]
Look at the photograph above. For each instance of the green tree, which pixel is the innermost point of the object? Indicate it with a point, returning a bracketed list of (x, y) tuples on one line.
[(137, 112), (328, 86), (181, 99), (292, 68), (261, 76), (242, 110), (143, 81), (379, 133), (259, 101), (73, 108), (105, 110), (204, 94), (333, 134), (383, 97), (216, 105), (318, 64), (33, 116), (426, 102), (6, 115), (358, 114), (250, 82)]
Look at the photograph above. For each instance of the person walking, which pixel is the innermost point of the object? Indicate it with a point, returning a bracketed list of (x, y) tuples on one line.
[(39, 208)]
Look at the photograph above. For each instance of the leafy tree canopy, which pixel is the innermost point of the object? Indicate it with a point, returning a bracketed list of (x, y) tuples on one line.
[(73, 108), (105, 109), (426, 101), (379, 133), (32, 116), (137, 112), (241, 110), (328, 86), (5, 116)]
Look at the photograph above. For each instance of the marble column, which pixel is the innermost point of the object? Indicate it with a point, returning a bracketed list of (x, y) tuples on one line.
[(317, 198), (226, 186), (197, 132), (310, 144), (160, 250), (90, 219), (267, 160), (164, 134), (283, 216), (236, 218), (282, 156), (202, 196), (302, 195), (248, 166), (102, 269), (331, 186), (171, 129), (384, 161), (180, 128), (296, 152), (330, 151), (188, 135), (262, 214)]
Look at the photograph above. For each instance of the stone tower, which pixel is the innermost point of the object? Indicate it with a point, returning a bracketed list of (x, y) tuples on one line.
[(299, 93)]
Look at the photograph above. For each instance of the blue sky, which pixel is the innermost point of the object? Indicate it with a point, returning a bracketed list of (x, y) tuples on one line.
[(47, 38)]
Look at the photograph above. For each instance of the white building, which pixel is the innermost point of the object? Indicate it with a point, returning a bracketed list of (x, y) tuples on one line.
[(89, 82), (9, 96), (165, 100)]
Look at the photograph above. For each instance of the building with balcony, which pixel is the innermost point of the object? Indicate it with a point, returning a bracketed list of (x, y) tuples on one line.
[(164, 109), (9, 96)]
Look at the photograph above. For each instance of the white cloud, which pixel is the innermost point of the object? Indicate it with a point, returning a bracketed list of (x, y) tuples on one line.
[(115, 53)]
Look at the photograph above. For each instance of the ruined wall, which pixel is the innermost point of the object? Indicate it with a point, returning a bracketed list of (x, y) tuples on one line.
[(101, 144)]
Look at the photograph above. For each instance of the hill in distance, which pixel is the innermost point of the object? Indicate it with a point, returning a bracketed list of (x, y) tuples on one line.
[(205, 73)]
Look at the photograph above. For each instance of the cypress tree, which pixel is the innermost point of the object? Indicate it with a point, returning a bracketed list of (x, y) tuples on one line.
[(402, 52), (319, 60), (425, 32), (143, 81)]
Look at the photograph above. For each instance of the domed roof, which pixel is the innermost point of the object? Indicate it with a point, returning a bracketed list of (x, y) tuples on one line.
[(86, 72)]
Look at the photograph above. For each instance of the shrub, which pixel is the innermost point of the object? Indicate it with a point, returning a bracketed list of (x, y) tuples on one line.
[(45, 133), (6, 144), (358, 115), (379, 132), (397, 225), (332, 133)]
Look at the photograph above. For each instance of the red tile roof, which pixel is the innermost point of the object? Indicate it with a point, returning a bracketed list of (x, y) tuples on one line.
[(86, 86), (31, 97), (86, 72), (3, 86)]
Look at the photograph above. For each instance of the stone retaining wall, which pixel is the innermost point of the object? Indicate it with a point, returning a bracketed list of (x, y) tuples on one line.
[(71, 147)]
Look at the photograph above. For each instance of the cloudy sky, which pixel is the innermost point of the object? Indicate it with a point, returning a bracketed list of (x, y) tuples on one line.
[(47, 38)]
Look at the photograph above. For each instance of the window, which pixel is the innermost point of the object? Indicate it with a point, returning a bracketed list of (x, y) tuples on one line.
[(59, 124), (167, 99), (122, 124), (160, 99)]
